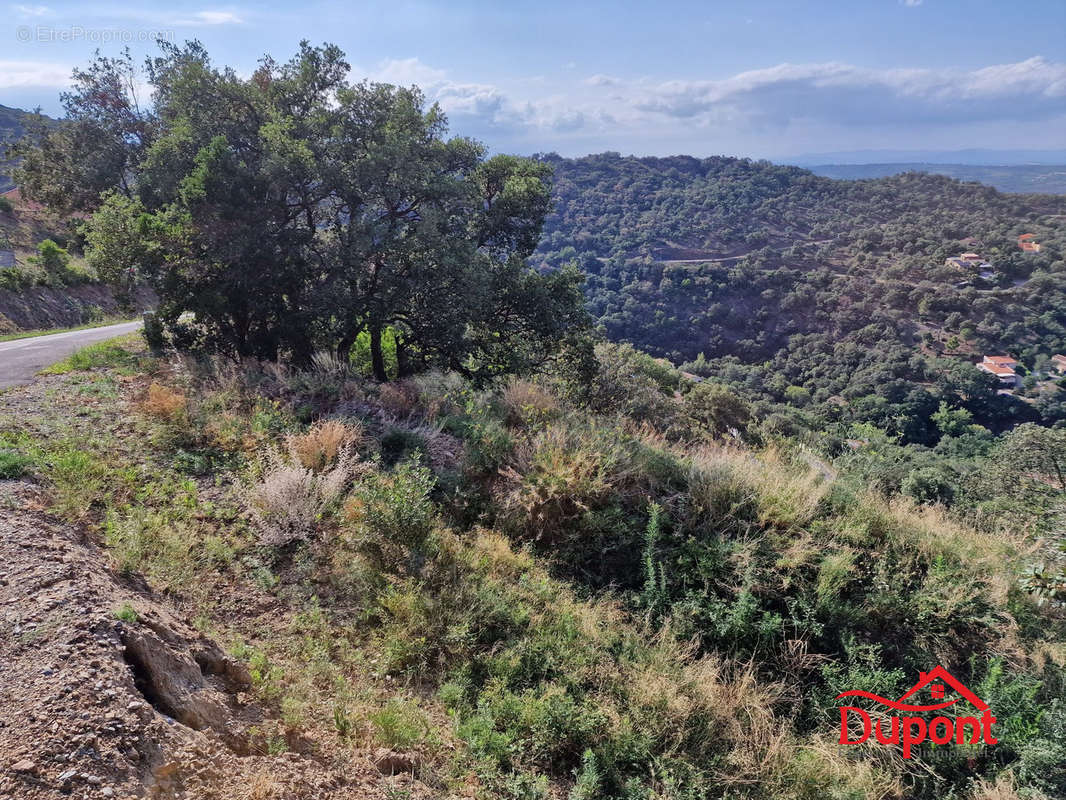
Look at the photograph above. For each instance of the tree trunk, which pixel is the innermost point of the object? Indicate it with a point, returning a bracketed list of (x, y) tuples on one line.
[(377, 360), (403, 362), (344, 348)]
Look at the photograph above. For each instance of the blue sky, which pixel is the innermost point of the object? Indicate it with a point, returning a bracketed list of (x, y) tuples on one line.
[(764, 79)]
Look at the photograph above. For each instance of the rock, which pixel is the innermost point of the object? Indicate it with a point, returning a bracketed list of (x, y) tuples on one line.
[(389, 762), (64, 777), (25, 765), (166, 770)]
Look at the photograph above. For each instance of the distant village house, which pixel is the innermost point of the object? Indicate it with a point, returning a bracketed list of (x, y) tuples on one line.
[(1058, 363), (967, 261), (1026, 243), (1003, 368)]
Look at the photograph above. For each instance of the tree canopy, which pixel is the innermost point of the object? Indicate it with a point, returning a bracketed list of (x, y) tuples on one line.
[(293, 210)]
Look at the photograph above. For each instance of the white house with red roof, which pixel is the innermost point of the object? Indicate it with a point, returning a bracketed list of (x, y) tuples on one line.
[(1002, 367)]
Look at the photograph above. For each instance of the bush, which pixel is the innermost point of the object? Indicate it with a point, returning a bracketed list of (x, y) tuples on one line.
[(392, 512), (6, 206), (323, 444), (289, 501), (55, 262), (13, 465)]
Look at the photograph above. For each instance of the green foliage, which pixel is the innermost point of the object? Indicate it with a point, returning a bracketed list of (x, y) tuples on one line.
[(95, 356), (392, 512), (401, 233), (126, 613), (55, 265), (13, 464), (803, 293)]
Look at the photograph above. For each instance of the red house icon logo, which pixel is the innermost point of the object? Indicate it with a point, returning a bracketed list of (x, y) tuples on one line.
[(912, 730)]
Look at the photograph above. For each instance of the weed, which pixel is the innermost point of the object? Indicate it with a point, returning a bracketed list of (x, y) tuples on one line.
[(164, 403), (400, 725), (13, 464), (126, 613), (109, 354)]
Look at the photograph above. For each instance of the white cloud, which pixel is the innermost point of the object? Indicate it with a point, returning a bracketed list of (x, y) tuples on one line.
[(31, 11), (847, 94), (600, 80), (912, 3), (217, 18), (20, 74)]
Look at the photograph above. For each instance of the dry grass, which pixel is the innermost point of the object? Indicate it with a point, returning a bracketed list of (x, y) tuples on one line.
[(400, 399), (323, 444), (1002, 789), (786, 498), (526, 402), (164, 403), (289, 502)]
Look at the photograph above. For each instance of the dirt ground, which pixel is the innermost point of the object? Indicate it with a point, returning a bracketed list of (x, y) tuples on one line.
[(106, 691)]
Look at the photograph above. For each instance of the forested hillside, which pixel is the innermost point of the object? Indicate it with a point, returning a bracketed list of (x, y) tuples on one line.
[(438, 539), (830, 297), (11, 129)]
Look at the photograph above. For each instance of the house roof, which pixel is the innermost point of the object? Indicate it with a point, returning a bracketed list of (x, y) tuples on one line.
[(998, 370), (1059, 359), (1006, 360), (1029, 247), (970, 256), (1025, 237)]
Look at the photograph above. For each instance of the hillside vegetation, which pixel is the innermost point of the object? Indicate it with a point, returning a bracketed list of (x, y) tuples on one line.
[(380, 451), (783, 282), (527, 596)]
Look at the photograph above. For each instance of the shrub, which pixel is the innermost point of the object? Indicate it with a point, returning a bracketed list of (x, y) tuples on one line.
[(392, 512), (164, 403), (13, 465), (6, 206), (399, 398), (323, 444), (289, 501), (526, 403), (55, 261), (564, 478), (401, 443)]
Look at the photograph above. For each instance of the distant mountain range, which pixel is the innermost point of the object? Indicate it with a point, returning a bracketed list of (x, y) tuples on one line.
[(971, 157), (1023, 178)]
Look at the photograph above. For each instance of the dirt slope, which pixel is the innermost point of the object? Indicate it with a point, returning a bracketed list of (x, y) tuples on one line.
[(106, 691)]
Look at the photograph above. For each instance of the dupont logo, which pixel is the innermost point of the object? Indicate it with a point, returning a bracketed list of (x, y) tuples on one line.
[(971, 724)]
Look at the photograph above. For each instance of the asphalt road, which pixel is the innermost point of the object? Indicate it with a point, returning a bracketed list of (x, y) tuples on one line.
[(22, 358)]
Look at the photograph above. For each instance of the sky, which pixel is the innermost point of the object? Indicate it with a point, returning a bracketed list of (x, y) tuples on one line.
[(760, 79)]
